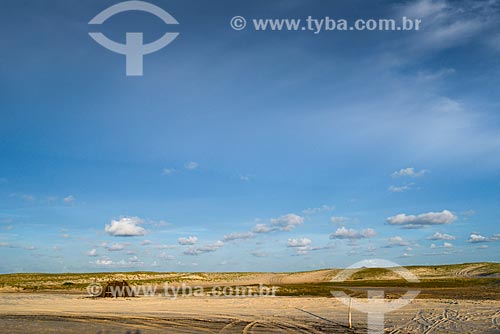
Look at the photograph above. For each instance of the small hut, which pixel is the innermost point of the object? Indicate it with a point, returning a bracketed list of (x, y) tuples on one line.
[(117, 289)]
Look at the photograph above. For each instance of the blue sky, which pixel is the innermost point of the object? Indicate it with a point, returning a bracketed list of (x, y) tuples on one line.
[(249, 150)]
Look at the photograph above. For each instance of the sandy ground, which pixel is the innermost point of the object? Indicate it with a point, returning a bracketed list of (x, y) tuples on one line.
[(63, 313)]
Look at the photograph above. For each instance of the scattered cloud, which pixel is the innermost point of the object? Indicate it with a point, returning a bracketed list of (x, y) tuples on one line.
[(284, 223), (262, 228), (69, 199), (409, 172), (166, 246), (398, 241), (399, 189), (191, 165), (352, 234), (204, 249), (191, 240), (441, 236), (338, 219), (92, 252), (287, 222), (323, 208), (422, 220), (478, 238), (423, 76), (260, 254), (28, 198), (238, 236), (103, 262), (131, 262), (126, 227), (300, 242), (168, 171), (245, 178), (146, 243), (449, 25), (467, 214), (165, 256), (116, 247)]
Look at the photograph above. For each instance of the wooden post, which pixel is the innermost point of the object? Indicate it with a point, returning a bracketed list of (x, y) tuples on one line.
[(350, 313)]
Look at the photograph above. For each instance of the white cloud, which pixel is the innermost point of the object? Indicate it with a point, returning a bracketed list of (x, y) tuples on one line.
[(409, 172), (191, 165), (468, 213), (69, 199), (191, 240), (424, 219), (447, 245), (131, 262), (126, 227), (284, 223), (449, 24), (477, 238), (338, 219), (204, 249), (92, 252), (399, 189), (432, 76), (262, 228), (441, 236), (104, 262), (165, 256), (398, 241), (146, 243), (287, 222), (166, 246), (28, 198), (245, 178), (344, 233), (260, 254), (238, 236), (300, 242), (168, 171), (323, 208), (116, 247)]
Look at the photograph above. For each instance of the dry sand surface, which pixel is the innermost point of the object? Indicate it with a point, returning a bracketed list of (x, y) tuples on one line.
[(70, 313)]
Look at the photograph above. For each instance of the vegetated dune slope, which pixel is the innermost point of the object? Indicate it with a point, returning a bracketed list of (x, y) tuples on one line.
[(35, 281)]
